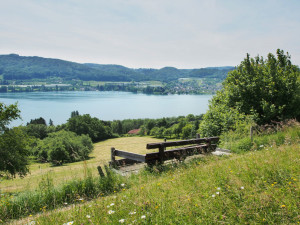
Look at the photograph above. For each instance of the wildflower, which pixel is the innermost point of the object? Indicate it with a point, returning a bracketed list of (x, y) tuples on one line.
[(283, 206), (143, 217), (242, 188), (121, 220), (218, 188), (213, 196), (65, 203), (112, 204), (261, 146), (69, 223), (217, 193), (111, 212), (31, 222), (122, 185), (81, 199), (30, 215), (88, 216), (132, 213)]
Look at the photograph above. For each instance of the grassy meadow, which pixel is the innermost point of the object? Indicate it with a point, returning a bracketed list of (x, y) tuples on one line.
[(258, 185), (69, 171)]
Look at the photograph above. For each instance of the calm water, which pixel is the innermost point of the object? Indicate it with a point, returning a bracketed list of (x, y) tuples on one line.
[(103, 105)]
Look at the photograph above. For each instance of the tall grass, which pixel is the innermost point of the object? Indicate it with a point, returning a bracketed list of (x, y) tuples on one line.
[(48, 196), (273, 135), (259, 187)]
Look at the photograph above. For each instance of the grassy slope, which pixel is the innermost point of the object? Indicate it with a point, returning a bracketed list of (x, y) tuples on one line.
[(256, 187), (99, 156)]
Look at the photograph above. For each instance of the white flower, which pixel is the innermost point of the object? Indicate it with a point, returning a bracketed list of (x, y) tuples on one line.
[(121, 220), (65, 203), (112, 204), (242, 188), (88, 216), (143, 217), (132, 213), (218, 188), (123, 185), (261, 146), (217, 193), (69, 223), (111, 212), (31, 223), (213, 196)]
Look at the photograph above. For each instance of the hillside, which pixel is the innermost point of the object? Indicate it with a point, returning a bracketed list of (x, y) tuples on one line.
[(15, 67), (260, 186)]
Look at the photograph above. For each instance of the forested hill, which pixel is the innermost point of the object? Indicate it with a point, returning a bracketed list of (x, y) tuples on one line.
[(15, 67)]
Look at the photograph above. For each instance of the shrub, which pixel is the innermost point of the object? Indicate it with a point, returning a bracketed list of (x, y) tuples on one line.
[(63, 146)]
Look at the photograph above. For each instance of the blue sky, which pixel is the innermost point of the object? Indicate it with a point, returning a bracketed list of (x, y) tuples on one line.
[(150, 33)]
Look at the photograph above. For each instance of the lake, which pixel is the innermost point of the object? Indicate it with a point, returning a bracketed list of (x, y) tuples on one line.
[(103, 105)]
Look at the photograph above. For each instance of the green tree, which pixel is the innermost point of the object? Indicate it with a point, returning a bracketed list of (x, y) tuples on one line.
[(13, 153), (85, 124), (13, 144), (8, 114), (64, 146), (187, 131), (261, 90)]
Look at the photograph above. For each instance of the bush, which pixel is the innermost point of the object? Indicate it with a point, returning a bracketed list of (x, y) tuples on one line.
[(63, 146)]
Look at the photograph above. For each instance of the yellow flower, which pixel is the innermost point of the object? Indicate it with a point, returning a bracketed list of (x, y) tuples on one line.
[(283, 206)]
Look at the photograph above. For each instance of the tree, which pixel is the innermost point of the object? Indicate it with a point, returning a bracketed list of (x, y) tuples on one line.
[(261, 90), (8, 114), (13, 153), (13, 143), (63, 146), (85, 124), (40, 120)]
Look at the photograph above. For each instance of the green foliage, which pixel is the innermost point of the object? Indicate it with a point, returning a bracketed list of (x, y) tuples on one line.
[(7, 114), (13, 153), (187, 131), (63, 146), (40, 120), (264, 90), (85, 124), (13, 144), (36, 130)]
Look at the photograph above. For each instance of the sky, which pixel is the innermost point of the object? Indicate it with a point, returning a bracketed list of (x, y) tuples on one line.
[(150, 33)]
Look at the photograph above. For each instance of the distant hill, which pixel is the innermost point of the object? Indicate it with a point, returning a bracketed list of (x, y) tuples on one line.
[(15, 67)]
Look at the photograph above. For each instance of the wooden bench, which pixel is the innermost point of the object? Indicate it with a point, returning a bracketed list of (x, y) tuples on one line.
[(195, 146)]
